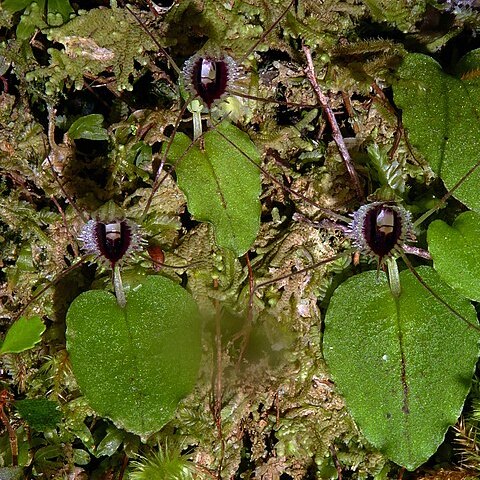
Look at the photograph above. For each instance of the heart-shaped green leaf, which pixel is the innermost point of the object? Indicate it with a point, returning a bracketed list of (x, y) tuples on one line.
[(23, 334), (135, 364), (404, 366), (442, 113), (456, 253), (221, 184)]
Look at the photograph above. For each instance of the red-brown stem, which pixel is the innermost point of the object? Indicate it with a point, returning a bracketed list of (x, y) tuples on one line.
[(251, 289), (350, 111), (11, 436), (53, 147), (336, 133), (271, 100), (400, 131), (419, 252), (65, 224), (155, 41), (217, 380), (5, 84), (328, 212), (267, 32), (336, 461), (123, 467), (158, 181), (246, 330), (306, 269), (443, 200), (158, 264)]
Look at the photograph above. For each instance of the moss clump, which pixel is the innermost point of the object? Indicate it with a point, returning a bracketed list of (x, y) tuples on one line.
[(95, 42)]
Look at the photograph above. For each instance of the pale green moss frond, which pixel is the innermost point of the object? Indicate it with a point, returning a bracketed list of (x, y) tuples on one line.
[(242, 24), (404, 14), (97, 41), (167, 462), (319, 24)]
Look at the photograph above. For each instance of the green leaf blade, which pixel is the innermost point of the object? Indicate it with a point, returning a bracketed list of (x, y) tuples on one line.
[(24, 334), (221, 185), (441, 115), (88, 127), (15, 5), (59, 11), (413, 94), (404, 367), (455, 252), (135, 364)]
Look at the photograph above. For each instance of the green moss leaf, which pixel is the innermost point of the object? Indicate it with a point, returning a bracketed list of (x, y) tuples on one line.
[(88, 127), (403, 365), (15, 5), (22, 335), (40, 413), (222, 186), (59, 11), (441, 113), (32, 18), (140, 155), (110, 442), (98, 40), (133, 365), (80, 457), (455, 252)]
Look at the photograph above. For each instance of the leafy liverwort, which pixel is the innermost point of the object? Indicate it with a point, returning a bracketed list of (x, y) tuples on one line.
[(135, 363)]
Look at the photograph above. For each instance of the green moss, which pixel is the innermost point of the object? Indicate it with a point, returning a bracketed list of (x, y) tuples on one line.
[(95, 41), (402, 14)]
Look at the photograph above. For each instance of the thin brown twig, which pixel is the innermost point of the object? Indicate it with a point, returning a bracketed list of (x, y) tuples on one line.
[(268, 31), (284, 187), (65, 224), (5, 398), (251, 288), (123, 467), (271, 100), (443, 200), (154, 39), (246, 330), (217, 381), (52, 112), (400, 132), (158, 179), (336, 133), (435, 295), (5, 84), (350, 111), (306, 269), (336, 461)]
